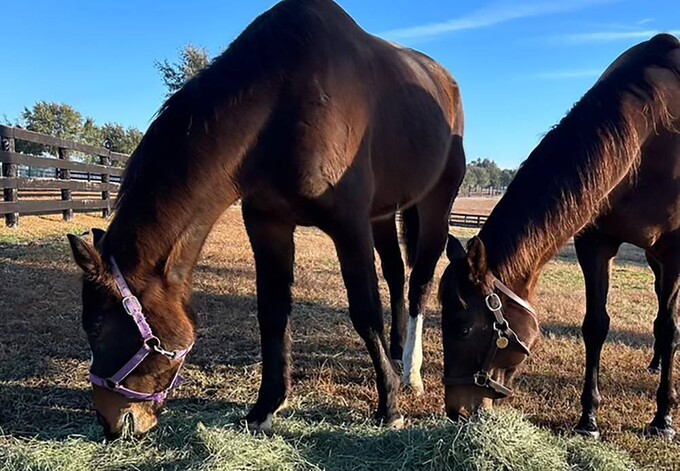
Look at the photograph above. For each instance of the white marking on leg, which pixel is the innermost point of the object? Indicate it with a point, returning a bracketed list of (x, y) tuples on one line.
[(262, 427), (413, 354)]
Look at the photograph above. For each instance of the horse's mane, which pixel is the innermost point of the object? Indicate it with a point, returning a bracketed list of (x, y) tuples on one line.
[(566, 180), (268, 49)]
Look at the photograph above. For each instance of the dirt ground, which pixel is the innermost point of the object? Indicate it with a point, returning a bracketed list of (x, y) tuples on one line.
[(44, 355)]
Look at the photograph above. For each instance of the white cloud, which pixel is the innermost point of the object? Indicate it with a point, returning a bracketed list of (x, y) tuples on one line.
[(496, 13), (644, 21), (609, 36), (567, 74)]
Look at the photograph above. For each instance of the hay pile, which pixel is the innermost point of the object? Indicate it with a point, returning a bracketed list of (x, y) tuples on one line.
[(502, 440)]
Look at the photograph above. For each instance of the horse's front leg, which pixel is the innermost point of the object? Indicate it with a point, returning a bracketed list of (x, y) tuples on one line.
[(595, 253), (353, 240), (273, 246)]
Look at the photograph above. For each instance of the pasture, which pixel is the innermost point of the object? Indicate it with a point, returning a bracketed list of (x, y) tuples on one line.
[(45, 418)]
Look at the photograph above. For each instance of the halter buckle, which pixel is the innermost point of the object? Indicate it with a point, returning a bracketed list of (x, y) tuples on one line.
[(493, 302), (132, 305), (481, 379)]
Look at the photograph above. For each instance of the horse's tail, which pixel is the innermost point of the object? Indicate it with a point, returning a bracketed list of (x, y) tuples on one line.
[(410, 227)]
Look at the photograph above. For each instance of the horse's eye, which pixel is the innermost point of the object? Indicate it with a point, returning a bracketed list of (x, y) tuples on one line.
[(464, 331)]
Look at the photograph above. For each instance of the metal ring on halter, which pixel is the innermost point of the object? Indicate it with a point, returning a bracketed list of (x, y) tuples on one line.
[(481, 379), (158, 349), (152, 343), (493, 302), (501, 326)]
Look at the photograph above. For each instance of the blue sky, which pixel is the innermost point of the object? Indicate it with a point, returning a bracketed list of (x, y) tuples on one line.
[(521, 64)]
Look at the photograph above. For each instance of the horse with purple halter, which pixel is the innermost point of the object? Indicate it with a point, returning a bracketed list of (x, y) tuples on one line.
[(309, 120)]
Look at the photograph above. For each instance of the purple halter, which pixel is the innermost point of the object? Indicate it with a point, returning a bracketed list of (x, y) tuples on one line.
[(151, 344)]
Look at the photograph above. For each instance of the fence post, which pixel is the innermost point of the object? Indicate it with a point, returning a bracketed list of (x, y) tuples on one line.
[(65, 174), (10, 171), (106, 179)]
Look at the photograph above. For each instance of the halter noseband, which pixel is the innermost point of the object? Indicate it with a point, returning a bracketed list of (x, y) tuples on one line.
[(501, 338), (151, 343)]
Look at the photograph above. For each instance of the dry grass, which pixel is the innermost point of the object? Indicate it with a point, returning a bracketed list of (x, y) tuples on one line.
[(43, 356), (475, 204)]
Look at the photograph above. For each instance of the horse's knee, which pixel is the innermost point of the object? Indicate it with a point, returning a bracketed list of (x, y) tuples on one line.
[(595, 327)]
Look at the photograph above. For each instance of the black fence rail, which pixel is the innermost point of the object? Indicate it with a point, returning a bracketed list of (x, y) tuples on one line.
[(64, 183), (467, 220), (462, 220)]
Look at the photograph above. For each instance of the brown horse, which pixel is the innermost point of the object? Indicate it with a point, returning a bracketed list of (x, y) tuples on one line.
[(608, 173), (310, 121)]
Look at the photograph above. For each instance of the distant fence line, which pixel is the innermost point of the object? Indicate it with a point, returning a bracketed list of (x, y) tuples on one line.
[(462, 220), (35, 185)]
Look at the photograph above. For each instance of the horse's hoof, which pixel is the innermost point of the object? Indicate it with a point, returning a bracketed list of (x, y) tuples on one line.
[(415, 388), (664, 433), (585, 433), (396, 423), (264, 427)]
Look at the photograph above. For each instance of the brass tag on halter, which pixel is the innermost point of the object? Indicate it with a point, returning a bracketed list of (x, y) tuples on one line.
[(502, 342)]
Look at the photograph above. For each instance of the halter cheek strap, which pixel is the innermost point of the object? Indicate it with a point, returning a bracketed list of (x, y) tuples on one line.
[(151, 344), (502, 337)]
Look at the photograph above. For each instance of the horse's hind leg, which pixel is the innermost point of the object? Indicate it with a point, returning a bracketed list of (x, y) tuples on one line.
[(431, 214), (595, 252), (655, 365), (666, 334), (353, 240), (387, 245), (273, 247), (433, 228)]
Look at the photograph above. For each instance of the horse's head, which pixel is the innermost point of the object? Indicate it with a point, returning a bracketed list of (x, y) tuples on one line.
[(487, 331), (138, 343)]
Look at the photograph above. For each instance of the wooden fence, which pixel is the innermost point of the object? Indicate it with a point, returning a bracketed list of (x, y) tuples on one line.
[(462, 220), (467, 220), (69, 184), (66, 185)]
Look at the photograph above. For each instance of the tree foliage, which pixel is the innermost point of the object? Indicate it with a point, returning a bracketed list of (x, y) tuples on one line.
[(485, 174), (63, 121), (192, 59)]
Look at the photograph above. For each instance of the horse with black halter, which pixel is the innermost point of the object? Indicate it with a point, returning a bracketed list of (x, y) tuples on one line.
[(309, 121), (607, 174)]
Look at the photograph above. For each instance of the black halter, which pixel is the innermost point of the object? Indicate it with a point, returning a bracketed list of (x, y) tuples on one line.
[(501, 338)]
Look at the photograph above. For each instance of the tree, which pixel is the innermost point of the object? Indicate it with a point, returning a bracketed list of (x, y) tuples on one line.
[(63, 121), (192, 59), (484, 174), (120, 139), (506, 176), (54, 119)]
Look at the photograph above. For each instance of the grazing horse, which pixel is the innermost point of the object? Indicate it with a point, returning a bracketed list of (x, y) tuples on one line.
[(607, 174), (311, 121)]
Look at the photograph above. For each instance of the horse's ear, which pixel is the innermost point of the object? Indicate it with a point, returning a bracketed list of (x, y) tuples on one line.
[(86, 256), (97, 236), (454, 249), (476, 257)]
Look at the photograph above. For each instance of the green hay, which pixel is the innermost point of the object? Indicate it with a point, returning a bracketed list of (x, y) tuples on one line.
[(590, 455), (217, 441)]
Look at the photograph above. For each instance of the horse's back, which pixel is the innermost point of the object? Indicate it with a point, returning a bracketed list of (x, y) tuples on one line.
[(645, 206), (355, 115)]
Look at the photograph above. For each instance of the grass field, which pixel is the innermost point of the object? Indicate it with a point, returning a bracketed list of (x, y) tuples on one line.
[(45, 418)]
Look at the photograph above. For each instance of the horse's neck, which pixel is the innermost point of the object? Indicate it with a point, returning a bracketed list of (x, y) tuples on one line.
[(160, 227), (182, 178)]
